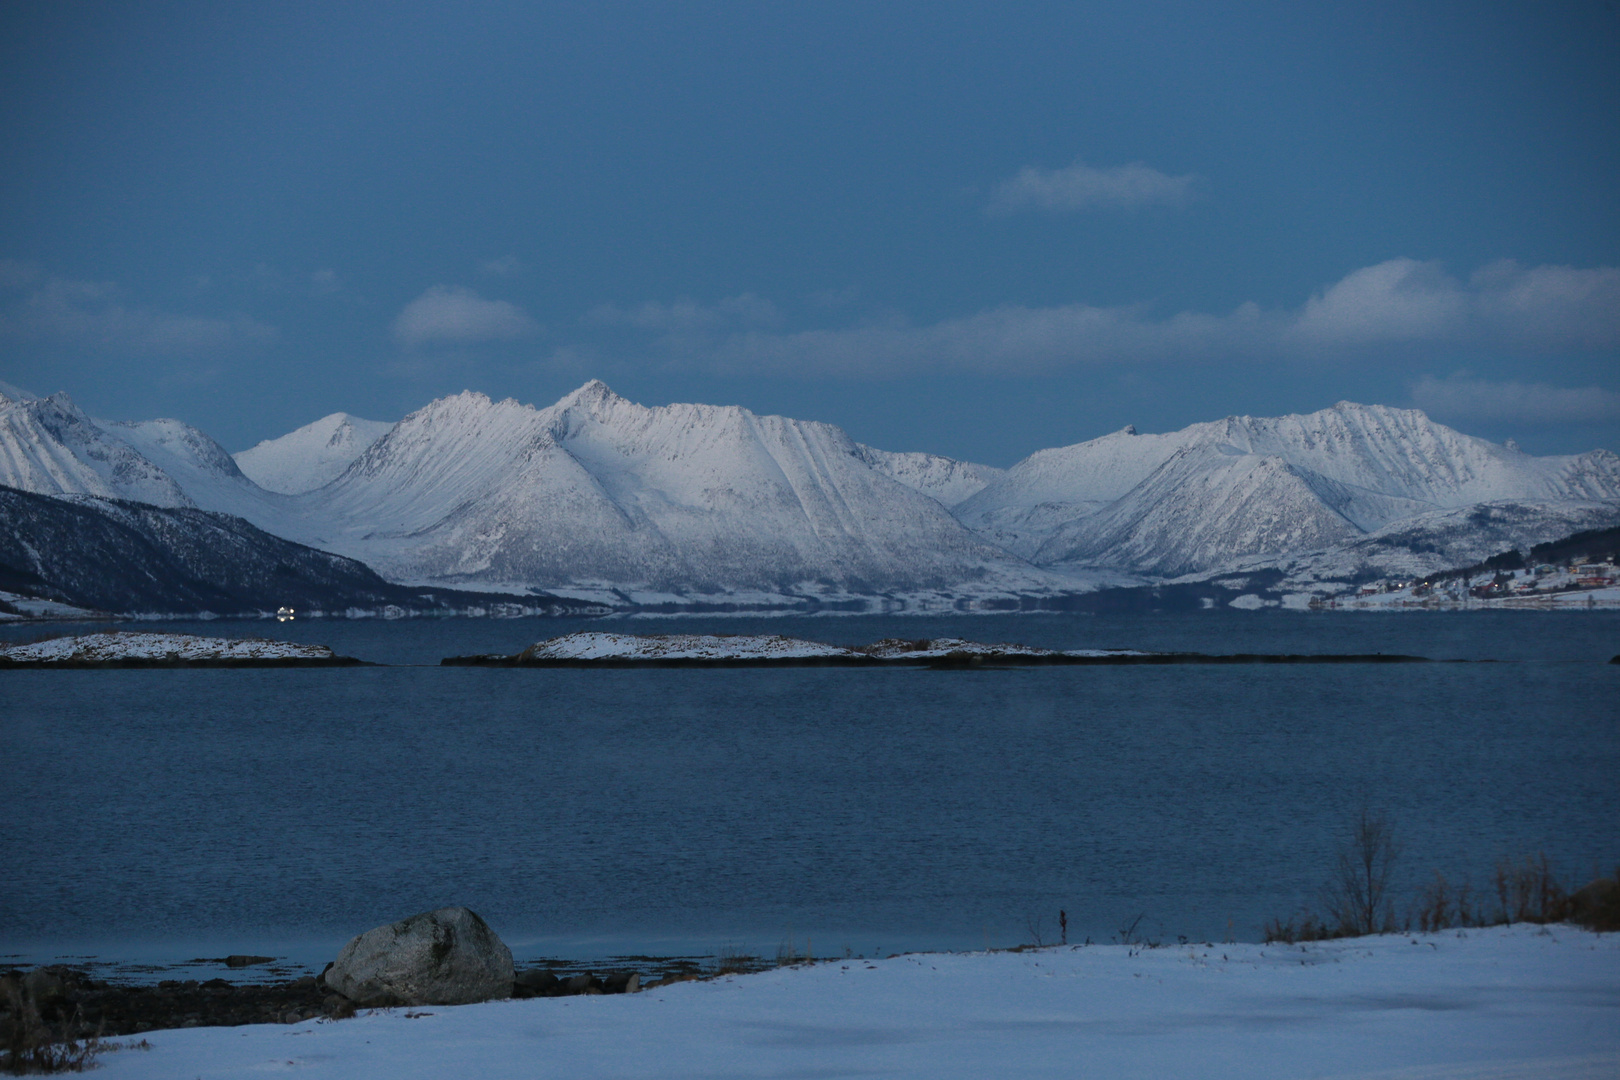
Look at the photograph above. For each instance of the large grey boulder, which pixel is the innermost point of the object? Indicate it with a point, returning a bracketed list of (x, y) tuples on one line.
[(444, 957)]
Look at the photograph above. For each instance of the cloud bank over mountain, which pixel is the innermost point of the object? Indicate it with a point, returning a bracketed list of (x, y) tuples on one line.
[(454, 314), (1398, 303)]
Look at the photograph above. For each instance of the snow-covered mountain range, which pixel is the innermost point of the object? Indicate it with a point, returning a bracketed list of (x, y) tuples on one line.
[(1247, 487), (598, 496), (596, 492)]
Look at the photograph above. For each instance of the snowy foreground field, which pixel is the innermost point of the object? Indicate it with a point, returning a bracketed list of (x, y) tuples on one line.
[(1511, 1002)]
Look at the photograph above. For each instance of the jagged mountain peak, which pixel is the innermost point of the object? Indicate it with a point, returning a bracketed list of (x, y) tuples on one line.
[(58, 404), (50, 446), (596, 492), (1350, 466), (596, 488), (592, 394)]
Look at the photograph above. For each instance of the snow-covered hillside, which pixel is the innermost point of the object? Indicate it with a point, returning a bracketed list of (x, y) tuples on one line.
[(50, 447), (314, 455), (1434, 542), (202, 468), (1260, 487), (942, 478), (597, 491)]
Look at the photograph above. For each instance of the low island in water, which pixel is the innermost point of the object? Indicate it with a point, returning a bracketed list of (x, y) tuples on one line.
[(133, 649), (599, 649)]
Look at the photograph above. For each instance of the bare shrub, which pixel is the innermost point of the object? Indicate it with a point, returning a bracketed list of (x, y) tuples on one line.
[(734, 961), (1358, 898), (1529, 892), (32, 1047), (1306, 926)]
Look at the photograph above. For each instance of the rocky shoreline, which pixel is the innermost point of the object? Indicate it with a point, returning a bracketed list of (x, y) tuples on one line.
[(72, 1004)]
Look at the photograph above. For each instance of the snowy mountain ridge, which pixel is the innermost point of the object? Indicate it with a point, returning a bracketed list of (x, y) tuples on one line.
[(598, 496), (50, 447), (597, 490), (312, 456), (1247, 487)]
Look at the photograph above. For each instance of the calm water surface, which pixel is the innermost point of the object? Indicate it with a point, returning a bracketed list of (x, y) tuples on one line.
[(588, 813)]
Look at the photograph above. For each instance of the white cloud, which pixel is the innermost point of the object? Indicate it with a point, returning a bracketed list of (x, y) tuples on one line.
[(324, 282), (451, 314), (91, 315), (1560, 305), (1465, 398), (505, 266), (684, 316), (1398, 300), (1081, 187), (1401, 303)]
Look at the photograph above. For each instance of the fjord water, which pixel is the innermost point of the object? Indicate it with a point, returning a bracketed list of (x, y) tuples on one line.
[(586, 813)]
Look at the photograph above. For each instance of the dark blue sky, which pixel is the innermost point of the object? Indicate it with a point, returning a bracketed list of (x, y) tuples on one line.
[(975, 229)]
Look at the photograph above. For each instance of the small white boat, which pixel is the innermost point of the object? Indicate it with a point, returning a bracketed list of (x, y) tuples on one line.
[(284, 614)]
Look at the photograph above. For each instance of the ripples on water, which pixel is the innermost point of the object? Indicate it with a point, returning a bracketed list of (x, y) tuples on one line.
[(585, 813)]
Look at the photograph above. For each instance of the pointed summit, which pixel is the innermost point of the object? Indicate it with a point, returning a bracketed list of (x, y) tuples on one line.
[(593, 394), (312, 456)]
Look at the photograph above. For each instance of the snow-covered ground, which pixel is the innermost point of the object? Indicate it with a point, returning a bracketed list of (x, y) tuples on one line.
[(32, 607), (1500, 1004), (130, 645), (598, 645), (595, 645)]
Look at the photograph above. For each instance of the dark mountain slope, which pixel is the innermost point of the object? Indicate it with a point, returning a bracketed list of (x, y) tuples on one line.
[(119, 556)]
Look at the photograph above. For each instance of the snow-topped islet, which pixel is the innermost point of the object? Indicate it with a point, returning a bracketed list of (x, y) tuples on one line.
[(146, 648), (610, 649), (592, 645)]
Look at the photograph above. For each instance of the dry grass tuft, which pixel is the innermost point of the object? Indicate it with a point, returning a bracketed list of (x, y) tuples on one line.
[(31, 1046)]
